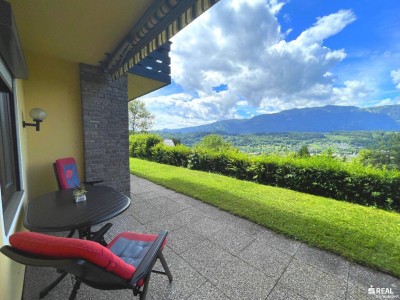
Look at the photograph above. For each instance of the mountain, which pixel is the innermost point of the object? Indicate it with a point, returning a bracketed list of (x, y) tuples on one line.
[(316, 119)]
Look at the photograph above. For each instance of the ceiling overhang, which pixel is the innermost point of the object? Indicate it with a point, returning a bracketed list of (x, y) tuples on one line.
[(161, 22), (81, 31), (121, 35)]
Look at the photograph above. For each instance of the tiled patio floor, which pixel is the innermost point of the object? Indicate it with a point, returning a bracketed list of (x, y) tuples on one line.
[(215, 255)]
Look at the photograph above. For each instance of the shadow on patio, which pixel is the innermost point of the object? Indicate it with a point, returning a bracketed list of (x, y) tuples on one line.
[(215, 255)]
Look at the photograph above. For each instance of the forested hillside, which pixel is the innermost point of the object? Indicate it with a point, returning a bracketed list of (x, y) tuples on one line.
[(341, 143)]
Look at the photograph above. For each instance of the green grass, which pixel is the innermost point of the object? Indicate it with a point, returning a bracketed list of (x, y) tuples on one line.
[(362, 234)]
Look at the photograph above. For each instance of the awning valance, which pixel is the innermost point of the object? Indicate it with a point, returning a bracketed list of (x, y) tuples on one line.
[(161, 22)]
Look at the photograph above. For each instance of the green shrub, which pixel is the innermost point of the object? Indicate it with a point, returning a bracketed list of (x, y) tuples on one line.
[(140, 144), (318, 175), (175, 156)]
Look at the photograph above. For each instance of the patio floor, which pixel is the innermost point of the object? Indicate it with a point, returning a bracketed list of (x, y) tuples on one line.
[(215, 255)]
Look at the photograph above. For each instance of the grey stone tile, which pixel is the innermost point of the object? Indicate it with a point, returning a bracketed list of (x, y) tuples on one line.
[(149, 195), (211, 211), (189, 215), (87, 292), (268, 260), (239, 224), (147, 215), (283, 293), (239, 280), (183, 238), (366, 277), (206, 226), (37, 278), (186, 280), (311, 283), (185, 200), (207, 292), (234, 242), (324, 260), (278, 241), (138, 206), (166, 223), (123, 223), (207, 258), (170, 206), (356, 292)]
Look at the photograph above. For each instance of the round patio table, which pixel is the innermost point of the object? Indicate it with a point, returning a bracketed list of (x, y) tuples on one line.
[(57, 211)]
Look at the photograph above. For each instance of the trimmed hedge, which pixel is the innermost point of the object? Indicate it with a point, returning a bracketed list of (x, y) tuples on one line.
[(317, 175)]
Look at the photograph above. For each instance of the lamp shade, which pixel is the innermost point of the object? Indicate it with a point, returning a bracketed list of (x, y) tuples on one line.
[(38, 114)]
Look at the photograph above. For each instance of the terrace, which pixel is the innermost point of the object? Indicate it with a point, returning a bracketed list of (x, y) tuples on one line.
[(215, 255)]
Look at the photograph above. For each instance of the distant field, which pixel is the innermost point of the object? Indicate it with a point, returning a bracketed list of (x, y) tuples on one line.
[(341, 143)]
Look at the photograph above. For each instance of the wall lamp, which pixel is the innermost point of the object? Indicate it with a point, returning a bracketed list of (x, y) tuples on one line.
[(38, 115)]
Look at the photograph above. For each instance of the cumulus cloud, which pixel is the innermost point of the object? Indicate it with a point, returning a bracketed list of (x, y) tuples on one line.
[(396, 77), (240, 44)]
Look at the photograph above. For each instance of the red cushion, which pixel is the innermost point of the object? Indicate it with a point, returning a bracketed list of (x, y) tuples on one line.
[(67, 173), (58, 247), (134, 236)]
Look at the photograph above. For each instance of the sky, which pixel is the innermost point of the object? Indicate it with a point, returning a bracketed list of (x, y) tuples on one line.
[(248, 57)]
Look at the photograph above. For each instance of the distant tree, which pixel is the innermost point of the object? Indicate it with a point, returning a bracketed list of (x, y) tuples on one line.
[(385, 154), (140, 119), (214, 142), (303, 152), (176, 141)]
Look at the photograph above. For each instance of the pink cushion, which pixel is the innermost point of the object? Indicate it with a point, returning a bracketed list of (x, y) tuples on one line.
[(58, 247)]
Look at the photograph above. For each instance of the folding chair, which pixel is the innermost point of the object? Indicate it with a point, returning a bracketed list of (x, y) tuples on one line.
[(67, 177), (125, 263), (67, 174)]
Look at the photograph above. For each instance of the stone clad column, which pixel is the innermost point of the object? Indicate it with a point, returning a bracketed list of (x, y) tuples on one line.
[(105, 128)]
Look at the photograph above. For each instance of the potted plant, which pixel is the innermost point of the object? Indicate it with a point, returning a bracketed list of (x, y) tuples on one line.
[(80, 193)]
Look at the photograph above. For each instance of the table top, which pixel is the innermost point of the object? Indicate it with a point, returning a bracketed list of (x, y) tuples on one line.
[(57, 211)]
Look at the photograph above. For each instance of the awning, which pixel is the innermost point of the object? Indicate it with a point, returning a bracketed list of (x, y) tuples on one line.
[(161, 22)]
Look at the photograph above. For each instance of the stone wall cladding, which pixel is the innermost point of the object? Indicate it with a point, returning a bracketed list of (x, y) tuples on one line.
[(105, 127)]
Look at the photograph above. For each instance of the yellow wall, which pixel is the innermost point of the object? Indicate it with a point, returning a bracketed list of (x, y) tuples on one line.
[(53, 85), (12, 273)]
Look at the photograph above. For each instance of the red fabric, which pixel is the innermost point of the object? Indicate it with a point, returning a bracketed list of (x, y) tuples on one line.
[(65, 176), (58, 247), (134, 236)]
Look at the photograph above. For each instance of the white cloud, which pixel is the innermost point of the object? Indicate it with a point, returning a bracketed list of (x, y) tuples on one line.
[(396, 78), (240, 43)]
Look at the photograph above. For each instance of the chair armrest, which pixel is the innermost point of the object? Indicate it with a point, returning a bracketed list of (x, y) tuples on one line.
[(146, 265), (92, 182), (32, 259)]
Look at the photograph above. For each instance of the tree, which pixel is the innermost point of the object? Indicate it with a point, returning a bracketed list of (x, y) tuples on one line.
[(140, 119), (303, 152), (214, 142)]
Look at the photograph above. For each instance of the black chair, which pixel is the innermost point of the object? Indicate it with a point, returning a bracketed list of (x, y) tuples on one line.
[(126, 263), (67, 177)]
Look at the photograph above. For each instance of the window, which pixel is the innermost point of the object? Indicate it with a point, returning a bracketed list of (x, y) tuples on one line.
[(9, 168)]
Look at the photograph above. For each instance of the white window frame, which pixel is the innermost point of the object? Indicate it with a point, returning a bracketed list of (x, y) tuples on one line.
[(17, 202)]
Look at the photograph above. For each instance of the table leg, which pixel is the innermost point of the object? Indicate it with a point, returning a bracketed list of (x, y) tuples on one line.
[(47, 289)]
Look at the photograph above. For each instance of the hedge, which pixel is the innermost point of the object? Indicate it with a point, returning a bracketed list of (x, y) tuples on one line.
[(317, 175)]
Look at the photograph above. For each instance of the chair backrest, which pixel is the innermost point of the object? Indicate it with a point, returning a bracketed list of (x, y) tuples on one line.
[(40, 249), (66, 173)]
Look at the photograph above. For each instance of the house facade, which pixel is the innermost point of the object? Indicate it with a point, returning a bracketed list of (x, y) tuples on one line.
[(80, 62)]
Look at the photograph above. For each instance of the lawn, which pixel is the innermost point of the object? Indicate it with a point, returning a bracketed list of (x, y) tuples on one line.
[(362, 234)]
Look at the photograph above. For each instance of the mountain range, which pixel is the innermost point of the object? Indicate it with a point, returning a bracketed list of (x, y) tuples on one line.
[(315, 119)]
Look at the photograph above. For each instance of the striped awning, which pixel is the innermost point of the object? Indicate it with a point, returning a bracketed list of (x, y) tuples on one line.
[(159, 24)]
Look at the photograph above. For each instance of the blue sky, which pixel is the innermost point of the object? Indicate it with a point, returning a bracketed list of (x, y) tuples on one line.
[(243, 58)]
